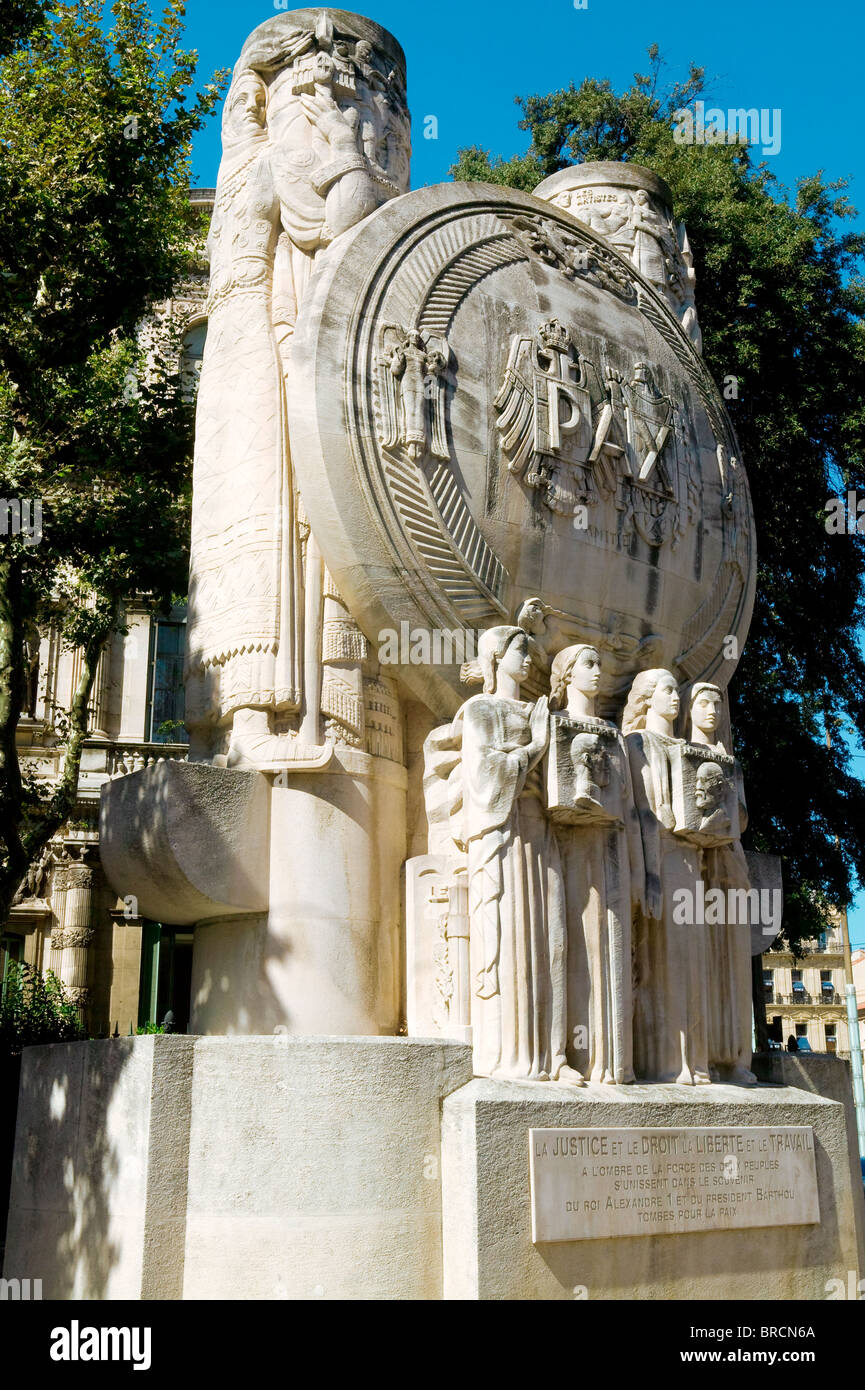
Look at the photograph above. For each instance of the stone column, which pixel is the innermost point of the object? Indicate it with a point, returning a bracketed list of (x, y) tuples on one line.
[(97, 711), (77, 933), (59, 886)]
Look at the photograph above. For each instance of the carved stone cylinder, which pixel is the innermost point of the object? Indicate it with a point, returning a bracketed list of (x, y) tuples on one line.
[(77, 933), (632, 208), (325, 958), (59, 887)]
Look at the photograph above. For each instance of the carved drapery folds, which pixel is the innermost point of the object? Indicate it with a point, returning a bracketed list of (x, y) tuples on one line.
[(586, 854), (315, 137)]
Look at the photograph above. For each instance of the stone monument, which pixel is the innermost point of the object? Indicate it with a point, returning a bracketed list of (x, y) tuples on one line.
[(458, 999)]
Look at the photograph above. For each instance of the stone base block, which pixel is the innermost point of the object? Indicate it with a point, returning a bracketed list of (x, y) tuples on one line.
[(98, 1197), (232, 1168), (486, 1205)]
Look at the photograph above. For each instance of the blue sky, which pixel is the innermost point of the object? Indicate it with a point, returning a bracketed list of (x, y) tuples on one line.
[(467, 62)]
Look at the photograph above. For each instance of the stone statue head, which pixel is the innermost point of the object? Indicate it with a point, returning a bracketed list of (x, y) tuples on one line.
[(580, 664), (244, 115), (656, 689), (326, 55), (506, 647), (531, 616), (705, 706), (710, 790)]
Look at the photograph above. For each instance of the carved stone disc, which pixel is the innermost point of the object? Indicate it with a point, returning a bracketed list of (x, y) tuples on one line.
[(487, 403)]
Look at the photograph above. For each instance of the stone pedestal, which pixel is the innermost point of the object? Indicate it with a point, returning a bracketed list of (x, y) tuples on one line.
[(232, 1168), (487, 1230), (98, 1197), (314, 1167), (375, 1168)]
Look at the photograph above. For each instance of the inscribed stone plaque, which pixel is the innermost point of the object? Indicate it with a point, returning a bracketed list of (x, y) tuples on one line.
[(589, 1184)]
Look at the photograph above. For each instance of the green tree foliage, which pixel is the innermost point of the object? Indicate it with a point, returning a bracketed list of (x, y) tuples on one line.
[(97, 111), (18, 19), (781, 298), (35, 1009)]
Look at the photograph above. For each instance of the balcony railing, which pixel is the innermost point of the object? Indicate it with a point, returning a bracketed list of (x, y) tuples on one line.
[(124, 758), (832, 946), (804, 997)]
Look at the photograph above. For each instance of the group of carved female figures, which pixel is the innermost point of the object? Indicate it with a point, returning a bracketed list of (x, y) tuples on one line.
[(586, 962)]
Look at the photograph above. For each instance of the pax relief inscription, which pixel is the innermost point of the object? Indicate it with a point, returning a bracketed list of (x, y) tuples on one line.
[(592, 1184)]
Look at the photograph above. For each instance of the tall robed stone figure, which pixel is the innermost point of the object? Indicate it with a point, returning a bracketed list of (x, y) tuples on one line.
[(315, 136), (296, 737)]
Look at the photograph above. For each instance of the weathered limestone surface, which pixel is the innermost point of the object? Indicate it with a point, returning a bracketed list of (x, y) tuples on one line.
[(326, 957), (98, 1196), (315, 1167), (187, 841), (830, 1077), (488, 1250), (257, 1167)]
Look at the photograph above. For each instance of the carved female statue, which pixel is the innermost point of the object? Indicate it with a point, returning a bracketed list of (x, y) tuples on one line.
[(516, 905), (729, 942), (602, 860), (651, 240), (670, 964), (295, 174)]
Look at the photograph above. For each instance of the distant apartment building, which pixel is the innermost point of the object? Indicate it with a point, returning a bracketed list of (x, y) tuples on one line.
[(804, 993), (858, 964)]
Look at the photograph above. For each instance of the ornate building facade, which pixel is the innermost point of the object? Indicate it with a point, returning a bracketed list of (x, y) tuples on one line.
[(122, 970)]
